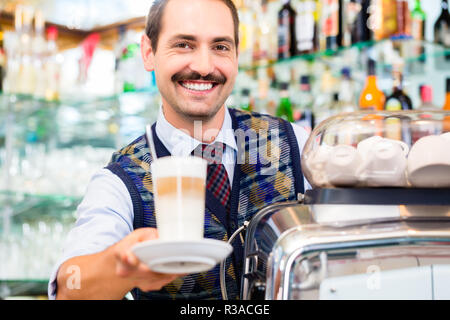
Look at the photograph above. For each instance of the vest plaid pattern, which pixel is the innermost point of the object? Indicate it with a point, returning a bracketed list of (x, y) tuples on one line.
[(253, 188)]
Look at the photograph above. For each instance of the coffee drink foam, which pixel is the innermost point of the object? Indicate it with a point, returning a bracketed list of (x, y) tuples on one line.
[(179, 166)]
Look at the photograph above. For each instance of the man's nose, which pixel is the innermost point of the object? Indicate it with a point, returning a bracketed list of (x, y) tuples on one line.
[(202, 62)]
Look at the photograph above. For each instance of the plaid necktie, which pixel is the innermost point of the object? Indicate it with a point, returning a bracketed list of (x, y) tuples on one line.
[(217, 178), (217, 182)]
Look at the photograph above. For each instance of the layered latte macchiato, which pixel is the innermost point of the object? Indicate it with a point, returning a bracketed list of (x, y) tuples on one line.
[(179, 189)]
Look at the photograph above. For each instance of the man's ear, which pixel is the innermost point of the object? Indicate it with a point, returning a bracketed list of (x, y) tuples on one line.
[(147, 53)]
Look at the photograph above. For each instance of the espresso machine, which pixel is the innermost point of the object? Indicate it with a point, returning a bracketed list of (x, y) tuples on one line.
[(322, 248), (358, 235)]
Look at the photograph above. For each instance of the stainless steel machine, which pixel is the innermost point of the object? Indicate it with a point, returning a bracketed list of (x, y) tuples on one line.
[(344, 243)]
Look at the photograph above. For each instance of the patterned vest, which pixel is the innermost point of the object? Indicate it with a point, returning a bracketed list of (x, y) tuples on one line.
[(260, 178)]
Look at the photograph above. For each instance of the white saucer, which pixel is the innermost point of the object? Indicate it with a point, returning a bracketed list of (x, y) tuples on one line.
[(182, 256)]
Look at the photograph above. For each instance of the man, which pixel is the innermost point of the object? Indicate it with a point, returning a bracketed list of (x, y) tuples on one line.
[(192, 47)]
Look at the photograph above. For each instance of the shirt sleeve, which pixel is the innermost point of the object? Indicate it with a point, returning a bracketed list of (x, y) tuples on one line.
[(104, 217), (302, 136)]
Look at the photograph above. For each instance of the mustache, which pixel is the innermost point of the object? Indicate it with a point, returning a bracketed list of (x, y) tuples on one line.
[(212, 77)]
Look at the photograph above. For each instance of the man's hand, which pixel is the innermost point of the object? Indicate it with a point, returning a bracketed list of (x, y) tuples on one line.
[(111, 273), (128, 265)]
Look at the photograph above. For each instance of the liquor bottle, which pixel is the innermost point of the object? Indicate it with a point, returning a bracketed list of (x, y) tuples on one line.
[(335, 105), (426, 97), (262, 100), (329, 30), (262, 43), (52, 65), (358, 17), (27, 80), (302, 95), (447, 95), (118, 52), (246, 103), (287, 39), (341, 19), (306, 120), (398, 100), (347, 19), (425, 125), (273, 94), (349, 12), (346, 95), (384, 19), (397, 127), (270, 13), (306, 26), (323, 94), (13, 53), (446, 125), (345, 101), (284, 109), (39, 54), (371, 97), (403, 19), (130, 77), (303, 102), (418, 18), (2, 60), (246, 34), (442, 26)]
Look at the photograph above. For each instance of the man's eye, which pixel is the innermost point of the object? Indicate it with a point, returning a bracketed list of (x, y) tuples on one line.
[(182, 45), (222, 47)]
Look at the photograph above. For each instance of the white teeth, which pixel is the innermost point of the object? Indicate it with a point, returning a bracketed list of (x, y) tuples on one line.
[(197, 86)]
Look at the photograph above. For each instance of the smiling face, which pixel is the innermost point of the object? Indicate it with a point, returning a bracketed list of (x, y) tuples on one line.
[(196, 59)]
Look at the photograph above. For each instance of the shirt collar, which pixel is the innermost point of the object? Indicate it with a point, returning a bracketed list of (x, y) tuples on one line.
[(179, 143)]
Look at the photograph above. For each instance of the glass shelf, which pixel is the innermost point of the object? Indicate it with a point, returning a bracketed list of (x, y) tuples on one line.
[(24, 106), (14, 288), (70, 100), (421, 50), (23, 200), (32, 232), (55, 147), (308, 56), (31, 208)]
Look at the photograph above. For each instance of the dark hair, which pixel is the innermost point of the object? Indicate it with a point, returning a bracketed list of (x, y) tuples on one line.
[(153, 26)]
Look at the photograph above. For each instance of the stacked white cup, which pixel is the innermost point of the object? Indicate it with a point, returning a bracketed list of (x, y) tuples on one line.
[(429, 162)]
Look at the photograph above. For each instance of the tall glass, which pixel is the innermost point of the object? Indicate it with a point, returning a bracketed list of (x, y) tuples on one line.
[(179, 190)]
